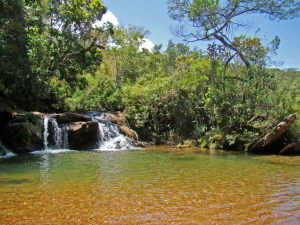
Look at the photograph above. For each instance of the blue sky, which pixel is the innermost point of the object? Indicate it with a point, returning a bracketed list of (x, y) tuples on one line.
[(152, 15)]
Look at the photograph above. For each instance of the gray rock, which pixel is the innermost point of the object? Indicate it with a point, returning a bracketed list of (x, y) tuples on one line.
[(25, 132), (83, 135)]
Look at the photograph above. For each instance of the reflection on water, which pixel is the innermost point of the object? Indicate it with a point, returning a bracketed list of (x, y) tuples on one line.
[(152, 186)]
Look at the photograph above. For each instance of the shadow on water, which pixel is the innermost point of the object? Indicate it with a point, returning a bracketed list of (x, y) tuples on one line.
[(4, 181)]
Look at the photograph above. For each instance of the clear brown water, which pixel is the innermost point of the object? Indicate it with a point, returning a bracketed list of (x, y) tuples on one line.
[(152, 186)]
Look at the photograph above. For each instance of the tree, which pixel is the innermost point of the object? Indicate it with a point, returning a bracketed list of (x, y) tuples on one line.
[(127, 53), (72, 35), (252, 48), (42, 40), (214, 19)]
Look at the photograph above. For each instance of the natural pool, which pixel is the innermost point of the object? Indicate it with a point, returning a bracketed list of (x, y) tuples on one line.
[(149, 186)]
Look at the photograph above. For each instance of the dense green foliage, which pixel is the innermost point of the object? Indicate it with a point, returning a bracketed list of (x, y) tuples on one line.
[(53, 58), (41, 41), (180, 94)]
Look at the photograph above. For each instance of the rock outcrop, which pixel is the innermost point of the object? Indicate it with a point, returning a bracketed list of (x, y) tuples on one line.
[(70, 118), (83, 135), (5, 114), (5, 118), (24, 133), (267, 142), (118, 118)]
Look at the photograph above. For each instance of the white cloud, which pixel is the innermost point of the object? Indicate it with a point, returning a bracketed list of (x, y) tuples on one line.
[(147, 44), (110, 17), (107, 17)]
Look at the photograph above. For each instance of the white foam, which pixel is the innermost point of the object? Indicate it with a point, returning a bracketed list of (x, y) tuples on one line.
[(118, 143), (8, 155), (53, 151)]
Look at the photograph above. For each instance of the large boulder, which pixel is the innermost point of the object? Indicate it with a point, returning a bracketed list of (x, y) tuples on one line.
[(5, 113), (24, 133), (5, 118), (83, 135), (270, 142), (65, 118)]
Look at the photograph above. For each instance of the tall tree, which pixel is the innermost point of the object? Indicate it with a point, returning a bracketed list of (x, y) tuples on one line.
[(214, 19)]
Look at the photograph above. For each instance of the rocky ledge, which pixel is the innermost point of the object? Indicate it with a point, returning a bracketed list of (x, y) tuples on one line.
[(25, 132)]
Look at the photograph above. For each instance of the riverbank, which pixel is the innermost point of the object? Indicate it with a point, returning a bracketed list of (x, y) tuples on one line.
[(24, 132)]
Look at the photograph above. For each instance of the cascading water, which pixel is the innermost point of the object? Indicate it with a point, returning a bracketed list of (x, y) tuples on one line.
[(3, 149), (110, 137), (65, 143), (55, 137), (114, 139), (45, 134)]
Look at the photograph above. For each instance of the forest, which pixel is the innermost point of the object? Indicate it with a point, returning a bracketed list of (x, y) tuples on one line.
[(53, 58)]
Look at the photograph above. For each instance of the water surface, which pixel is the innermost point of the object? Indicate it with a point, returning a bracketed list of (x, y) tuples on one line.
[(150, 186)]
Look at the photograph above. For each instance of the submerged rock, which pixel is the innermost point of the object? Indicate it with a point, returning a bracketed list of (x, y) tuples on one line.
[(83, 135), (269, 141), (280, 159), (24, 133)]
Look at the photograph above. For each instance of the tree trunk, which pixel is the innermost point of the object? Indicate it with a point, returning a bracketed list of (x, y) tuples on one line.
[(243, 58)]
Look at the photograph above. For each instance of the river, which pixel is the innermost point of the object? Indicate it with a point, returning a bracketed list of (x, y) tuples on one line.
[(157, 185)]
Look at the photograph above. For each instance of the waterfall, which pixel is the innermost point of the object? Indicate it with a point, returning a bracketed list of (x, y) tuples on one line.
[(45, 134), (2, 146), (100, 133), (3, 149), (110, 136), (65, 144), (55, 136)]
